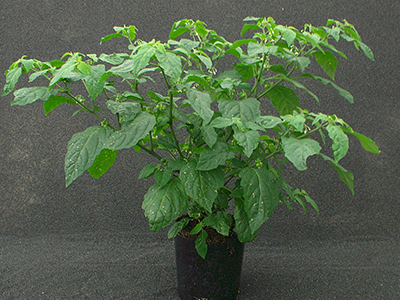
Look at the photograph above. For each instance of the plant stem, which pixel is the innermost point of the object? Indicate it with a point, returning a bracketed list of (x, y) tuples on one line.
[(149, 151)]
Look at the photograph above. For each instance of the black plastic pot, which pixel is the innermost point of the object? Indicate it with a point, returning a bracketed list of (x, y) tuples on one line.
[(217, 277)]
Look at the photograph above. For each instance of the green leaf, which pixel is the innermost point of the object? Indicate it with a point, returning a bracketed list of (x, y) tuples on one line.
[(171, 64), (138, 62), (205, 60), (55, 101), (247, 27), (92, 81), (340, 141), (211, 158), (242, 227), (29, 95), (162, 177), (66, 69), (269, 122), (284, 99), (177, 226), (288, 35), (177, 32), (202, 186), (102, 163), (247, 110), (35, 75), (298, 150), (147, 171), (327, 61), (345, 176), (366, 142), (201, 103), (254, 49), (201, 244), (261, 195), (221, 122), (83, 148), (162, 205), (114, 59), (12, 77), (221, 222), (176, 165), (209, 135), (367, 51), (109, 37), (83, 68), (127, 110), (342, 92), (249, 140), (131, 132)]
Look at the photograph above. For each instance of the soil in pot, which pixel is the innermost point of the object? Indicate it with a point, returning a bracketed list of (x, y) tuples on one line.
[(217, 277)]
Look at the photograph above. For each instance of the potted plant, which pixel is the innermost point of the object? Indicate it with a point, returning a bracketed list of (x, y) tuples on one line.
[(220, 137)]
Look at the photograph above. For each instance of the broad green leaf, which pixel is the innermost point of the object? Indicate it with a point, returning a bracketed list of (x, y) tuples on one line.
[(83, 68), (242, 227), (298, 150), (55, 101), (138, 62), (131, 132), (163, 205), (162, 177), (345, 176), (201, 244), (254, 49), (284, 99), (114, 59), (176, 165), (247, 27), (245, 70), (296, 120), (177, 32), (209, 135), (29, 95), (12, 77), (211, 158), (221, 222), (147, 171), (340, 141), (261, 195), (177, 226), (171, 64), (201, 103), (249, 140), (66, 69), (247, 110), (221, 122), (35, 75), (83, 148), (202, 186), (109, 37), (205, 60), (102, 163), (288, 35), (92, 83), (327, 61), (269, 122), (366, 142), (127, 110)]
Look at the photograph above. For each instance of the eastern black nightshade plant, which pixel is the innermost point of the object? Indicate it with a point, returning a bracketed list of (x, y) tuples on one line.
[(217, 152)]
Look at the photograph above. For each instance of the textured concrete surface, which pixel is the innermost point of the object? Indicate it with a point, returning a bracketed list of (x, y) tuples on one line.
[(91, 240)]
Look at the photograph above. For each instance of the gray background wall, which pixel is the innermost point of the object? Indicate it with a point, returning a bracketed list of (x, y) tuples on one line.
[(34, 203)]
